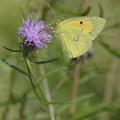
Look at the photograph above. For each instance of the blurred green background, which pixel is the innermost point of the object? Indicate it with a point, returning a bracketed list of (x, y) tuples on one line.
[(99, 78)]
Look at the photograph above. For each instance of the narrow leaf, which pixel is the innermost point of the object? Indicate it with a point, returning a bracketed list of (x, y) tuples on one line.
[(114, 51), (43, 62), (89, 110), (12, 101), (12, 50), (80, 99), (73, 101), (101, 10), (14, 67), (116, 25), (86, 11), (47, 74)]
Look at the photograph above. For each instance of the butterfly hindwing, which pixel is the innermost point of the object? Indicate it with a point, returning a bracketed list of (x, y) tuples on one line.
[(74, 42)]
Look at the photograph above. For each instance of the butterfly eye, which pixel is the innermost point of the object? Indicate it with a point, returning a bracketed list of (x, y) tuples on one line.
[(81, 22)]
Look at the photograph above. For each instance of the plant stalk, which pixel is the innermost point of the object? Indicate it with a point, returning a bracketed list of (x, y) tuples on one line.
[(74, 89), (48, 96), (31, 81)]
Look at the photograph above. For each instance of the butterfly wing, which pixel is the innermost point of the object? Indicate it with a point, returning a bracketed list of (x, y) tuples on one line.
[(74, 41), (76, 34), (97, 25)]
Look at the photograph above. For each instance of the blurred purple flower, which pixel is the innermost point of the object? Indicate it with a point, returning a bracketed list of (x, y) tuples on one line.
[(85, 56), (35, 34)]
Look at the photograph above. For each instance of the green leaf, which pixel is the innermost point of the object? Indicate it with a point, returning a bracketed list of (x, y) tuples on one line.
[(12, 50), (12, 101), (42, 77), (88, 77), (116, 25), (114, 51), (101, 10), (43, 62), (79, 99), (88, 110), (67, 11), (15, 68), (86, 11), (71, 102)]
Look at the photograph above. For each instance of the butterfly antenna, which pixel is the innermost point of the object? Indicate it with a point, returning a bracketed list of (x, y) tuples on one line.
[(52, 10)]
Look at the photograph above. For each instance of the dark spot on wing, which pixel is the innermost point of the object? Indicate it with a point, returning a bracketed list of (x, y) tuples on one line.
[(81, 22)]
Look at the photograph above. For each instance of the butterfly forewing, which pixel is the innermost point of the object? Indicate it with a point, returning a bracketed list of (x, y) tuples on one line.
[(98, 25)]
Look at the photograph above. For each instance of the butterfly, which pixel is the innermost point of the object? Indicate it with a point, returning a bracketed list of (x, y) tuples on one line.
[(75, 35)]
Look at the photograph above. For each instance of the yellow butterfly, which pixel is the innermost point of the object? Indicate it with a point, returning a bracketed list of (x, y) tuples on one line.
[(76, 34)]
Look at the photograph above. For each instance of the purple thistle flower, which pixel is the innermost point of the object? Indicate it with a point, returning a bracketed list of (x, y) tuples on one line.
[(35, 34)]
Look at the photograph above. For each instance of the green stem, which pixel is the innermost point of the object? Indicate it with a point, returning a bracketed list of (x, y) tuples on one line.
[(31, 81), (28, 62)]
